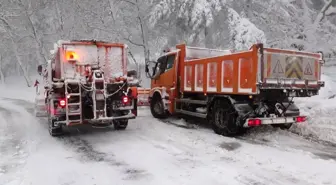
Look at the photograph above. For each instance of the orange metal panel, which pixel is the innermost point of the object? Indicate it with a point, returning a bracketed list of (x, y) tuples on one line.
[(269, 64), (246, 72), (192, 79), (205, 72), (227, 85), (219, 77), (233, 74), (199, 77), (180, 67), (188, 80), (212, 77)]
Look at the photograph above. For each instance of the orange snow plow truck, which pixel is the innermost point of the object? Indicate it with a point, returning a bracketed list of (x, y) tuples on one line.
[(234, 90), (87, 82)]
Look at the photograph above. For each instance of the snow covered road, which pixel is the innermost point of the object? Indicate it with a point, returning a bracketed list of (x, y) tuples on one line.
[(150, 151)]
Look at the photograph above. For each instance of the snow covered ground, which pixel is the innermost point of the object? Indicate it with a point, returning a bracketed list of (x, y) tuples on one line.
[(151, 151)]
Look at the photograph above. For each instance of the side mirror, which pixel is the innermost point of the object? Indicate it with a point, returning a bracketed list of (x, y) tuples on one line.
[(146, 68), (163, 63), (322, 61), (39, 69)]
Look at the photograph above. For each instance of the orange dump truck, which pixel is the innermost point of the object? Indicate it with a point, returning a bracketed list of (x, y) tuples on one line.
[(234, 90)]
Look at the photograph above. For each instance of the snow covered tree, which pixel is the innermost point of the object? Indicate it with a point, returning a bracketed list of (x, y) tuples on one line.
[(243, 33)]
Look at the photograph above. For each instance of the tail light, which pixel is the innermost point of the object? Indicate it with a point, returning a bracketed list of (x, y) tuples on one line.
[(125, 99), (254, 122), (301, 119), (62, 103)]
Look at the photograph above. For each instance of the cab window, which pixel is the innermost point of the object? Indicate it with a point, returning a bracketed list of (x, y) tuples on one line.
[(170, 62)]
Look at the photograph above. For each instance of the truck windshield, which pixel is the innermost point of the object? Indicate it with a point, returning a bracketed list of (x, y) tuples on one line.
[(163, 64)]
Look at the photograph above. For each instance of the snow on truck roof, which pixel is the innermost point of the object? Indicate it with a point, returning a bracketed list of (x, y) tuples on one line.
[(198, 52), (59, 43)]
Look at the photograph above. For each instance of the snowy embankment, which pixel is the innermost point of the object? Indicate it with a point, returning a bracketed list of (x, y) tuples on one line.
[(321, 110), (17, 88)]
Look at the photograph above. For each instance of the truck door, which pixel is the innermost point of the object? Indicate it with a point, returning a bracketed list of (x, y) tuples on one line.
[(167, 66)]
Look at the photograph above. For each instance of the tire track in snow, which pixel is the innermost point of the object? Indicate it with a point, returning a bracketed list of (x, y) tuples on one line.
[(88, 154), (291, 141), (322, 149), (86, 151), (13, 142)]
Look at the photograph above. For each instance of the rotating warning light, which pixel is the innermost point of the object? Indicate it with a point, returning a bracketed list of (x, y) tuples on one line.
[(71, 55)]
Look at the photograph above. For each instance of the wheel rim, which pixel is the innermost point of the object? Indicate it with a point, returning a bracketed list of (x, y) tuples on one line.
[(158, 108), (221, 118), (224, 119)]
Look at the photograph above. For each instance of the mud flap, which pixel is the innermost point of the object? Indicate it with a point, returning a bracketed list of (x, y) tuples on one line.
[(292, 109), (242, 108)]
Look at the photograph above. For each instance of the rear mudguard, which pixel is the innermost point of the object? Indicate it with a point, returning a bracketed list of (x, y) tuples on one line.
[(242, 108)]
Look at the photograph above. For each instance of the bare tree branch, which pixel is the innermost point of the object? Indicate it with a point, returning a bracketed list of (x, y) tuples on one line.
[(322, 13), (331, 14), (136, 44), (130, 2), (18, 59)]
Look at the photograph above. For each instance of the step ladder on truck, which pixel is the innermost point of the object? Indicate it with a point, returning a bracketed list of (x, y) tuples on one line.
[(87, 82), (231, 90)]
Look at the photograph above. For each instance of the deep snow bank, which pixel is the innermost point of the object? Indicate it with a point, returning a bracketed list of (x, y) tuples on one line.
[(321, 110)]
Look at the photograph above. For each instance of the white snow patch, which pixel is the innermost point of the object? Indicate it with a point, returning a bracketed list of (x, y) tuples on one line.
[(321, 109), (16, 88), (244, 33)]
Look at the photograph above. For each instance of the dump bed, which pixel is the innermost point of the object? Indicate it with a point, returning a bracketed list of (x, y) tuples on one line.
[(111, 57), (222, 71)]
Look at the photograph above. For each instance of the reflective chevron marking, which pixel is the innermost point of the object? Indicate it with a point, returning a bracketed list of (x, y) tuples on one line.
[(294, 67)]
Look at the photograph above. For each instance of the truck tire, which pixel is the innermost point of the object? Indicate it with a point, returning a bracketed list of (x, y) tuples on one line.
[(223, 118), (54, 131), (120, 125), (157, 108)]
